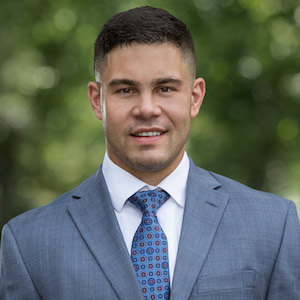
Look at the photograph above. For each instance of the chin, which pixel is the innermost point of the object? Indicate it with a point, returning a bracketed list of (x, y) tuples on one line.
[(150, 164)]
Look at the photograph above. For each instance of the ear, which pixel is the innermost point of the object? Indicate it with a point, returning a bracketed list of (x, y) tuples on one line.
[(198, 93), (94, 96)]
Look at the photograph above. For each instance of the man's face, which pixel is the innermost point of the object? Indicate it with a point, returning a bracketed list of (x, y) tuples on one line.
[(148, 100)]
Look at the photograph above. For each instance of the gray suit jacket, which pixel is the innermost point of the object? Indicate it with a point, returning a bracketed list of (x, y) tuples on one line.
[(236, 243)]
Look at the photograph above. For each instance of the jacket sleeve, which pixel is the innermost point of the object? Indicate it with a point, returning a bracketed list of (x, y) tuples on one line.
[(15, 280), (285, 279)]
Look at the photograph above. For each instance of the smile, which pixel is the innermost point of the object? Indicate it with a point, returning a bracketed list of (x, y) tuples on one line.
[(149, 133)]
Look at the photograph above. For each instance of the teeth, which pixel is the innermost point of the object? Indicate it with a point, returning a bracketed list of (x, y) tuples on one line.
[(151, 133)]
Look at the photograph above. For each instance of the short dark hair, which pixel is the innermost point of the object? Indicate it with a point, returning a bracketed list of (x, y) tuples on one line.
[(145, 25)]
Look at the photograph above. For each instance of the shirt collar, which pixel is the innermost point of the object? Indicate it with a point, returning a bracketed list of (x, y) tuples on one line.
[(121, 184)]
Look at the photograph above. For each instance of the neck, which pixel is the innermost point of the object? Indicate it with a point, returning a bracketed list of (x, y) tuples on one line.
[(151, 178)]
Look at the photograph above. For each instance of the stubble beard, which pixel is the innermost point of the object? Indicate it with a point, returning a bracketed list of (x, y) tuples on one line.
[(143, 162)]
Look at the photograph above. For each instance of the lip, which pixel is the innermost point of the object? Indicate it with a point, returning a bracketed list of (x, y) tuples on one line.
[(150, 129), (155, 134)]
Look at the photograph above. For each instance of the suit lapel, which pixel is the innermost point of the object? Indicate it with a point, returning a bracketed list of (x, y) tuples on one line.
[(94, 217), (203, 212)]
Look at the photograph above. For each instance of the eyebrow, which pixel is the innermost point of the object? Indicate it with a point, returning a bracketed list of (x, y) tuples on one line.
[(167, 80), (125, 81)]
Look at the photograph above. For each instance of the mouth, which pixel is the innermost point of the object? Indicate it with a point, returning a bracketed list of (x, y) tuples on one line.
[(148, 133), (148, 136)]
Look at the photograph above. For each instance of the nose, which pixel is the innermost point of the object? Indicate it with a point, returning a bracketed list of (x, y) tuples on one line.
[(146, 106)]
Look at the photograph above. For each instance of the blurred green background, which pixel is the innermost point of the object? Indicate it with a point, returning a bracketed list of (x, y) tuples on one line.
[(248, 128)]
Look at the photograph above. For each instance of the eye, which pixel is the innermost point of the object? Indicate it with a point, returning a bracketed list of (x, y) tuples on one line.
[(124, 91), (166, 89)]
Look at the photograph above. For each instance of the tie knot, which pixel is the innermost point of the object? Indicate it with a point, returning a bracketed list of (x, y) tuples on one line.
[(149, 201)]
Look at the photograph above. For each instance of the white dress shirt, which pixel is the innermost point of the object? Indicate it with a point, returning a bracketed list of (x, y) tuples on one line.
[(121, 185)]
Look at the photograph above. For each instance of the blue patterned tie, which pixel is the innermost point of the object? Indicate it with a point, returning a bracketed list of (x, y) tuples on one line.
[(149, 250)]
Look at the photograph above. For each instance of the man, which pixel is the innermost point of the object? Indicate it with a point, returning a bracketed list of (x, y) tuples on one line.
[(150, 224)]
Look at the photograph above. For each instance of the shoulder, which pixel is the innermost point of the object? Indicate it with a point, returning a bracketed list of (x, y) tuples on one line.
[(251, 209), (240, 196), (244, 193), (52, 213)]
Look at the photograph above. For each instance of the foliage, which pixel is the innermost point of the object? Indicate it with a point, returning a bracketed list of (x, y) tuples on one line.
[(248, 129)]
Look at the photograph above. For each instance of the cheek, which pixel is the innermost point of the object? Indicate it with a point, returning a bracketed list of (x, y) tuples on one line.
[(180, 115), (116, 119), (118, 109)]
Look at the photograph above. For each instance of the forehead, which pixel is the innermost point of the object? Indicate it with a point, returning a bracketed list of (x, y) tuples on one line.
[(144, 61)]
